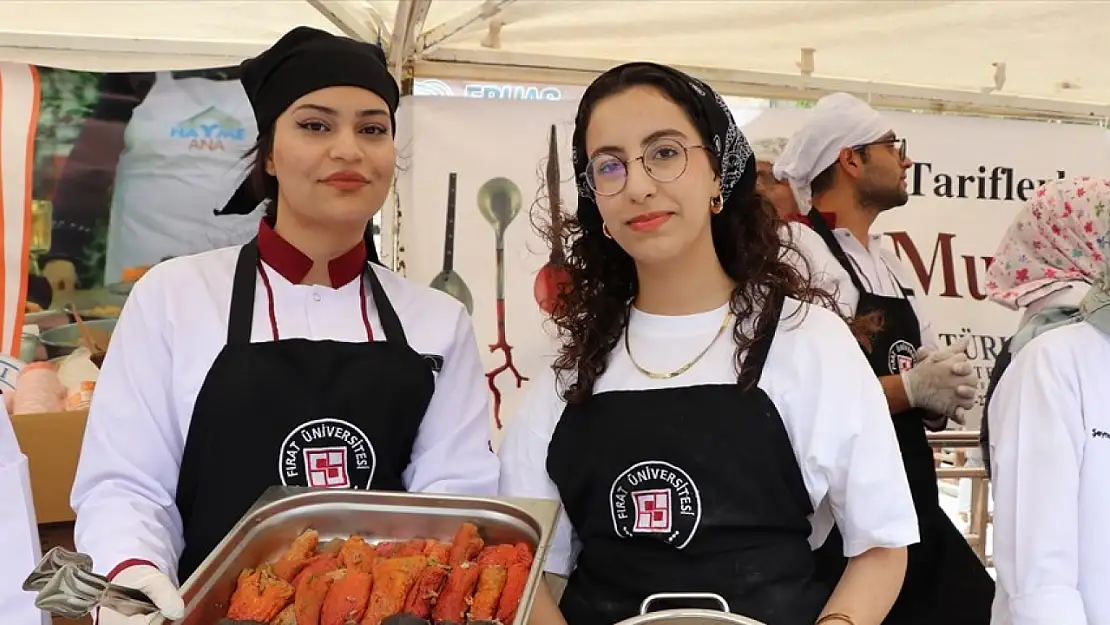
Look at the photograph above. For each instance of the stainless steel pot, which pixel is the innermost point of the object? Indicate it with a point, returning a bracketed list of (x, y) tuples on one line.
[(687, 616)]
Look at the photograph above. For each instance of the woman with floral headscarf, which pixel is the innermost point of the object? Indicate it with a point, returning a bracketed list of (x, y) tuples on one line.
[(1050, 412), (1038, 271)]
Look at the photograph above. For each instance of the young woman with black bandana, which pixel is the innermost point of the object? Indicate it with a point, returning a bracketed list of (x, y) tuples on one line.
[(296, 359), (699, 412)]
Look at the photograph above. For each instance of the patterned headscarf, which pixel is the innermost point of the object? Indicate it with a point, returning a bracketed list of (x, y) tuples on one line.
[(727, 144), (1062, 235)]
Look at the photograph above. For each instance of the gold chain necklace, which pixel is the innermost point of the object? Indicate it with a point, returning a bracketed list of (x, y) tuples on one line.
[(684, 368)]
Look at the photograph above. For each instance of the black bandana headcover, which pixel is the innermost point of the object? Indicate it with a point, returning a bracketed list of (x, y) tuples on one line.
[(303, 61), (727, 144)]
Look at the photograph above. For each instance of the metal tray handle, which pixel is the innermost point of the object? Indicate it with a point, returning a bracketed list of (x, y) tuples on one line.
[(645, 607)]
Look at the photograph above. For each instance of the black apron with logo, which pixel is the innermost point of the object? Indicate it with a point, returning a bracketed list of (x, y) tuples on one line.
[(296, 412), (945, 581), (689, 489)]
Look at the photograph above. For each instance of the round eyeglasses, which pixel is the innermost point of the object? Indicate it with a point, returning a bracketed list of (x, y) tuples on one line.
[(665, 160)]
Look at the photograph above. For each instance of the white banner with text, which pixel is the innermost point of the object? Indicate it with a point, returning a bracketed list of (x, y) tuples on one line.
[(969, 178)]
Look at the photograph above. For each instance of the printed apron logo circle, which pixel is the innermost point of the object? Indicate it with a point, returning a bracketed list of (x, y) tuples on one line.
[(656, 498), (327, 453), (900, 357)]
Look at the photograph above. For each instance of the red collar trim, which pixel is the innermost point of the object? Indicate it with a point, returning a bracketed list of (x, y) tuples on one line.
[(293, 264)]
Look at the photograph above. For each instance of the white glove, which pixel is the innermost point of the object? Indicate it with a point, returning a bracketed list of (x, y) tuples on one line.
[(942, 382), (959, 347), (156, 585)]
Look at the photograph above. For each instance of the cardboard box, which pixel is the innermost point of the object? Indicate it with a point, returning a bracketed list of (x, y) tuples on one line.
[(52, 443)]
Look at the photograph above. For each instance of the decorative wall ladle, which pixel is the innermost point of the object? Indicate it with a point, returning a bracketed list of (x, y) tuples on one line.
[(500, 202)]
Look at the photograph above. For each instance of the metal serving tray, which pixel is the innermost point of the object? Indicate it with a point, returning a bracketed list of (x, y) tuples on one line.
[(282, 513)]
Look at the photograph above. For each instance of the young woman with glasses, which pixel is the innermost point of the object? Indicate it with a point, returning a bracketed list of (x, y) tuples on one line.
[(702, 420)]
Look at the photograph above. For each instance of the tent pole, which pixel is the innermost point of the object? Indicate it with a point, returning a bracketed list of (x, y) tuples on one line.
[(440, 34), (490, 65), (346, 19), (402, 48)]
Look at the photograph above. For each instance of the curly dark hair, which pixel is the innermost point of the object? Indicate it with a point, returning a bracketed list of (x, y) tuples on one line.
[(749, 237)]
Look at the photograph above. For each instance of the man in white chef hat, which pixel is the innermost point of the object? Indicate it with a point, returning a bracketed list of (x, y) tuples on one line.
[(848, 161), (777, 192)]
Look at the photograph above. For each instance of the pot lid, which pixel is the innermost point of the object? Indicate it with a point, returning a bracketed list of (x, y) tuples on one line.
[(687, 616)]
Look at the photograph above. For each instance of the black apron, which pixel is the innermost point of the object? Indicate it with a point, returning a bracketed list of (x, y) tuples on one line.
[(1000, 365), (690, 489), (945, 581), (296, 412)]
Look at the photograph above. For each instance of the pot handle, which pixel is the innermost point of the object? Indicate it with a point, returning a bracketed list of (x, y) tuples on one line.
[(645, 607)]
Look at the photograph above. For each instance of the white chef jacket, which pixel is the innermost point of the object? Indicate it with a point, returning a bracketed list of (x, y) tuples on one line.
[(172, 328), (20, 549), (1050, 457), (878, 269), (830, 402)]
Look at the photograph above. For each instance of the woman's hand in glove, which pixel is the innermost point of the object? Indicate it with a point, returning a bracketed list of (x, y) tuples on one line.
[(155, 585), (942, 382)]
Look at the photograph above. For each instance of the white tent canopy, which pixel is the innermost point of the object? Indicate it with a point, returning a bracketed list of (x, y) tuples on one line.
[(921, 53)]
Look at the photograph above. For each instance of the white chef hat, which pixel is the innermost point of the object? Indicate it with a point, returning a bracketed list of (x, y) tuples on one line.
[(837, 121), (769, 150)]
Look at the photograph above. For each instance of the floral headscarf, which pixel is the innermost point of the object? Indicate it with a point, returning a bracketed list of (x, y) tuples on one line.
[(1061, 235)]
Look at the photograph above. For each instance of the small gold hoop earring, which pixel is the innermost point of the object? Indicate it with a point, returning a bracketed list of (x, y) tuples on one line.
[(605, 231), (716, 205)]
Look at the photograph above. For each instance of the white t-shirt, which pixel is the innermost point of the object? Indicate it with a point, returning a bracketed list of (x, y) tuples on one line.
[(831, 404), (879, 269), (1050, 460), (172, 328), (20, 549)]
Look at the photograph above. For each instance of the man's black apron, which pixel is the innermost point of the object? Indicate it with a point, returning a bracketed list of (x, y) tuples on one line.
[(1000, 365), (690, 489), (296, 412), (945, 581)]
